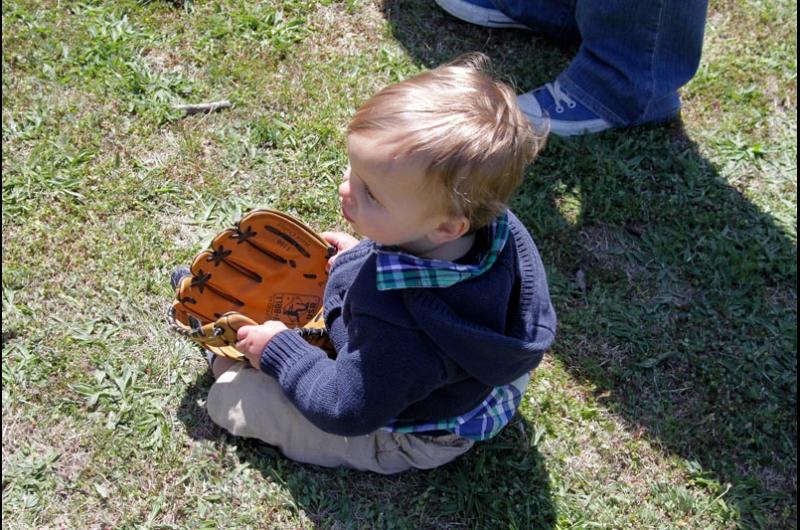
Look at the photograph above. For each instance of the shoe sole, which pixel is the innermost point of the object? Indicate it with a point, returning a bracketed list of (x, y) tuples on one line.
[(480, 16), (568, 128)]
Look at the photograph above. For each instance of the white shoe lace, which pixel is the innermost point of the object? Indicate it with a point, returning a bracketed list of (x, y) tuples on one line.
[(559, 97)]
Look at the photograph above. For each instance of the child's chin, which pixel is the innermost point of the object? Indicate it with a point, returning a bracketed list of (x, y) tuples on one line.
[(371, 237), (354, 227)]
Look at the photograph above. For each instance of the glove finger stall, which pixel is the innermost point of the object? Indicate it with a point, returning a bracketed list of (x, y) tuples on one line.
[(277, 239), (197, 298)]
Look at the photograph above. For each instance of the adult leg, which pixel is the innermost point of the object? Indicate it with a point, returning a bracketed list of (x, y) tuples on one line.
[(634, 56)]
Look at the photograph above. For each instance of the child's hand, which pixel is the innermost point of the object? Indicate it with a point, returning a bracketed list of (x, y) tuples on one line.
[(251, 340), (341, 241)]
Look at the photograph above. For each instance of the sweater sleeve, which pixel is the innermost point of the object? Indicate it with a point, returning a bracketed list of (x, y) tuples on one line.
[(380, 372)]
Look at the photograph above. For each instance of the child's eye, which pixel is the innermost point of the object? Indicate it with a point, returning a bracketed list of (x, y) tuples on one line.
[(369, 194)]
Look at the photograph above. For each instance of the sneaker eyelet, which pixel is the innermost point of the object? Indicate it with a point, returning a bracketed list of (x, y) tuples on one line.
[(572, 104), (560, 109)]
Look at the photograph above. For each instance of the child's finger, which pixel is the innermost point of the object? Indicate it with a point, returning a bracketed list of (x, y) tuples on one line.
[(242, 333), (333, 238)]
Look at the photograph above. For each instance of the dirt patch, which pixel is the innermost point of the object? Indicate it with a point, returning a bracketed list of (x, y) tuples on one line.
[(162, 151), (170, 60), (335, 32)]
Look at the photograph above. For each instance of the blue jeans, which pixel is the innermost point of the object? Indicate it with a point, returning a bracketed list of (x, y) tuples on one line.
[(634, 54)]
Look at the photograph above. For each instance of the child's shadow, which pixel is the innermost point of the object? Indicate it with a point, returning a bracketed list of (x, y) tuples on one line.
[(500, 483), (676, 295)]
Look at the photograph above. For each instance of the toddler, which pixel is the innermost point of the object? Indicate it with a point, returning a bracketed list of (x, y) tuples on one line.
[(437, 316)]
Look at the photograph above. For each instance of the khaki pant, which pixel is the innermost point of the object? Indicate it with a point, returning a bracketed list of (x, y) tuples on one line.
[(249, 403)]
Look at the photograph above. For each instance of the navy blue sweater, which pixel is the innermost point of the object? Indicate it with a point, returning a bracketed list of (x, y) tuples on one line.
[(416, 354)]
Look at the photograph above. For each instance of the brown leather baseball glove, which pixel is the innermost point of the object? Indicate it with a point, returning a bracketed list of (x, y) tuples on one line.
[(270, 266)]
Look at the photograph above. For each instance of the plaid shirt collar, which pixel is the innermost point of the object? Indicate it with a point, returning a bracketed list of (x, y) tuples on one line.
[(399, 270)]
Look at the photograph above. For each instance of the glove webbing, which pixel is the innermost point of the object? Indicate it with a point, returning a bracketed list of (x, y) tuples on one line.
[(197, 332)]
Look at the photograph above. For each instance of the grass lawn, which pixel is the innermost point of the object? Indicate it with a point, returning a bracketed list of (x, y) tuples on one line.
[(668, 401)]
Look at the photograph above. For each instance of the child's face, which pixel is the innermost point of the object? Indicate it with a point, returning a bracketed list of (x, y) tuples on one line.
[(382, 196)]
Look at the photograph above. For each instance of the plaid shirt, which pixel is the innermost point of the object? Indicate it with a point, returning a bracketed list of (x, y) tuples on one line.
[(398, 270), (482, 422)]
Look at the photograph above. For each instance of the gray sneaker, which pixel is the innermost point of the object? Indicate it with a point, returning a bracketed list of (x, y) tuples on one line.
[(480, 13)]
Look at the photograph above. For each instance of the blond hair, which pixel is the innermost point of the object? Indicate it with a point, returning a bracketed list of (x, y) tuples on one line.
[(469, 128)]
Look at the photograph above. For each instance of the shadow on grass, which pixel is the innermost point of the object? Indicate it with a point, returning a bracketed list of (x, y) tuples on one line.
[(500, 483), (676, 295)]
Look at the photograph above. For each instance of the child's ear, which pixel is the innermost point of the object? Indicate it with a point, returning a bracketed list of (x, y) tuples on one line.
[(450, 229)]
